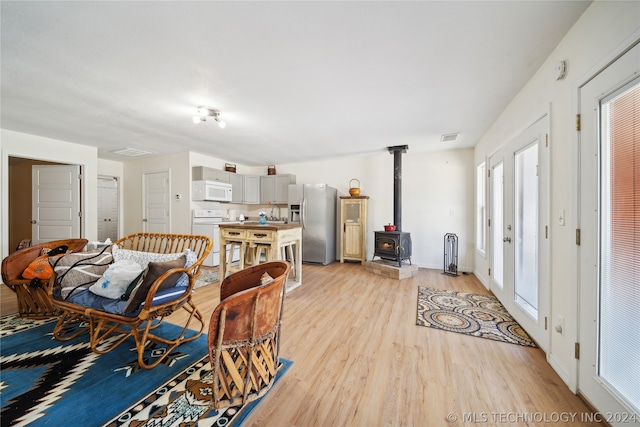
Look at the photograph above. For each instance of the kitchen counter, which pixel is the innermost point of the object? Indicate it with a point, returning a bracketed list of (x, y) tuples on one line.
[(279, 241), (256, 225)]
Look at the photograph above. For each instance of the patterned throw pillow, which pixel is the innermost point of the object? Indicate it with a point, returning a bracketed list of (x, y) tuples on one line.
[(191, 258), (79, 270)]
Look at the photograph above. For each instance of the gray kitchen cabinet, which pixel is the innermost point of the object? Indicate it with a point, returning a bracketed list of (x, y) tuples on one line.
[(246, 189), (237, 187), (210, 174), (251, 189), (275, 188)]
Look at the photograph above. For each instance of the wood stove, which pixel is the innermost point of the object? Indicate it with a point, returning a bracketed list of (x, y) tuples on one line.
[(393, 246)]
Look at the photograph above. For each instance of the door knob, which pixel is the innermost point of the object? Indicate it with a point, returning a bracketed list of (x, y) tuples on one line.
[(507, 239), (33, 221)]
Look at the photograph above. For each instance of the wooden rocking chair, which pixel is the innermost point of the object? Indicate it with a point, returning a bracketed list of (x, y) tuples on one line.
[(244, 334), (108, 330)]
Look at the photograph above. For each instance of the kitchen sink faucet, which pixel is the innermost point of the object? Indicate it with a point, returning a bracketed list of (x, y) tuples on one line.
[(271, 216)]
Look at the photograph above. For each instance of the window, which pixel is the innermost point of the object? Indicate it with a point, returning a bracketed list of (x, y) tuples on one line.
[(481, 211), (619, 336)]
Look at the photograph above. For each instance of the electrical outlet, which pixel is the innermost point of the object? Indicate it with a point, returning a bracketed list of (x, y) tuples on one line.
[(560, 325)]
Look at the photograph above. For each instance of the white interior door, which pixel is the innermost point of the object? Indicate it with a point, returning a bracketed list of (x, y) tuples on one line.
[(55, 202), (108, 211), (519, 215), (156, 202), (609, 251)]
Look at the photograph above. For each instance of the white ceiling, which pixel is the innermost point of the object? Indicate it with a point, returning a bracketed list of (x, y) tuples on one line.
[(294, 81)]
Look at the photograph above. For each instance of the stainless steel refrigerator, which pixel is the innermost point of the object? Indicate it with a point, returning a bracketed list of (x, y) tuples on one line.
[(314, 207)]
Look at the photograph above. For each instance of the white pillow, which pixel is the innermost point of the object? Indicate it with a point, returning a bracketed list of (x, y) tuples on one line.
[(116, 279), (142, 258)]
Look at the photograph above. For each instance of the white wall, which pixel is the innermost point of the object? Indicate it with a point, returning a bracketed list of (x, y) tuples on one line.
[(177, 165), (437, 197), (599, 32), (15, 144)]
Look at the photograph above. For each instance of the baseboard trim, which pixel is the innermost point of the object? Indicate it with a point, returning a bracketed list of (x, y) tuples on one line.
[(567, 378)]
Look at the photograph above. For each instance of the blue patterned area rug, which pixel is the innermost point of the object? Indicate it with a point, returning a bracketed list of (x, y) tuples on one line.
[(45, 382), (478, 315)]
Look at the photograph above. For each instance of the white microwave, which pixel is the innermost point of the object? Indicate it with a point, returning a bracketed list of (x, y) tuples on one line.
[(211, 191)]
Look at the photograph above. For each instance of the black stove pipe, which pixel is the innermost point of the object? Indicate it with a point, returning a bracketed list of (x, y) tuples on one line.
[(397, 152)]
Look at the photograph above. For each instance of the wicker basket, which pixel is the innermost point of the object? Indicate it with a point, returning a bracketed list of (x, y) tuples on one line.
[(354, 191)]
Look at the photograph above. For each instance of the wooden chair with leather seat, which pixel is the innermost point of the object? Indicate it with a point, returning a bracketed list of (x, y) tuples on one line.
[(33, 301), (244, 334)]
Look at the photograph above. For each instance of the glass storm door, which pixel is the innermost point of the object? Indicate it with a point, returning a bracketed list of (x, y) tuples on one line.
[(609, 251), (519, 229)]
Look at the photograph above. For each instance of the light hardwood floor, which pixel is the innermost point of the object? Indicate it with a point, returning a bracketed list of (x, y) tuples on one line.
[(359, 359)]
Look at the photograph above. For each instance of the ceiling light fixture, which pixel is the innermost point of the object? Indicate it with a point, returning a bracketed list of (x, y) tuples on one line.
[(204, 112)]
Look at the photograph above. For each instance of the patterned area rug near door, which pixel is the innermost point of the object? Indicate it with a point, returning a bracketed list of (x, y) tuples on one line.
[(478, 315)]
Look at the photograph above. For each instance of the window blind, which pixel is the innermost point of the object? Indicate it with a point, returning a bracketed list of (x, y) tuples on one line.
[(619, 284)]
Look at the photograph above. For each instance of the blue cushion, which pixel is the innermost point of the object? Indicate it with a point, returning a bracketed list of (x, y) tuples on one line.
[(167, 295), (88, 299)]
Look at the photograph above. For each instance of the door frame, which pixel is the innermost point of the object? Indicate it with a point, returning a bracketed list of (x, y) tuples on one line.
[(118, 197), (574, 290), (5, 156)]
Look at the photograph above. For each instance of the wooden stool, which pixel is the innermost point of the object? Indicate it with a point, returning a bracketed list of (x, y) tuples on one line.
[(288, 254), (258, 252), (232, 247)]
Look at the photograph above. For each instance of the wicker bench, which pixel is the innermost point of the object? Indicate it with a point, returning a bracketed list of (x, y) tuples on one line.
[(107, 330)]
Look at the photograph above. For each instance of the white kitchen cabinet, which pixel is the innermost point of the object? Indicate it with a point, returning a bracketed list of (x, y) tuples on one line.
[(274, 189)]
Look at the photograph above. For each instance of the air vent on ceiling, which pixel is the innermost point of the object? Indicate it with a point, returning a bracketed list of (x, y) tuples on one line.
[(131, 152), (449, 137)]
